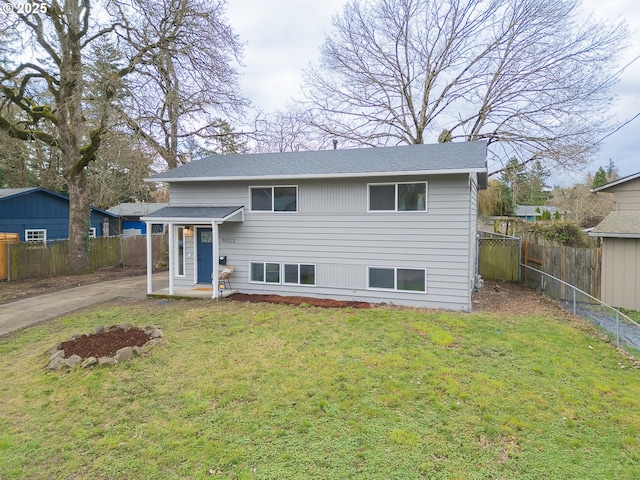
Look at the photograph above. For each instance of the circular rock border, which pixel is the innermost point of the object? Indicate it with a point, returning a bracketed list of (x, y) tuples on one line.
[(58, 362)]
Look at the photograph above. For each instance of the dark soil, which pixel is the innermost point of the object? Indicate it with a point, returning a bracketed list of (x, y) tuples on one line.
[(104, 344), (315, 302)]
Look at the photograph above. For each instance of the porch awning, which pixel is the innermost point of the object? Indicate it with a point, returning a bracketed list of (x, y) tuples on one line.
[(195, 215)]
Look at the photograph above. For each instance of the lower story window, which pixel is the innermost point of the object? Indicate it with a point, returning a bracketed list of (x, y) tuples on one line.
[(35, 235), (391, 278), (264, 272), (299, 274)]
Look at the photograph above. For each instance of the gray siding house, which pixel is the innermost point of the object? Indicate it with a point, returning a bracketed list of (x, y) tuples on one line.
[(620, 232), (390, 224)]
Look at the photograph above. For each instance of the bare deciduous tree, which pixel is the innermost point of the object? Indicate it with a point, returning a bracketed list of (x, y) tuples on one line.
[(183, 88), (531, 77), (286, 130), (50, 48), (580, 205)]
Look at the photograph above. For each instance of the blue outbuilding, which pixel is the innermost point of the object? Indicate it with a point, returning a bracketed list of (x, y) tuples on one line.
[(38, 214)]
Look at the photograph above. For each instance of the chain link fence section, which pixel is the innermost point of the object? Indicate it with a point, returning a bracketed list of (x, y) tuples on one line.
[(620, 326)]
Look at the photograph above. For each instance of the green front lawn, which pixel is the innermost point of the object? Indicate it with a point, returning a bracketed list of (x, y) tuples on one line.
[(246, 391)]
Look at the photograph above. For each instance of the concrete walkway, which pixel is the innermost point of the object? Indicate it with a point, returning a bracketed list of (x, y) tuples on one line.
[(33, 310)]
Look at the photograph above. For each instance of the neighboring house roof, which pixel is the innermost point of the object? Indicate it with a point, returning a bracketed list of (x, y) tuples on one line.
[(619, 181), (14, 192), (530, 210), (624, 224), (6, 193), (442, 158), (135, 209)]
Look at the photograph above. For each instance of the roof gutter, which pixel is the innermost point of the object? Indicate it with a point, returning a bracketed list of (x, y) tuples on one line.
[(614, 235), (317, 175)]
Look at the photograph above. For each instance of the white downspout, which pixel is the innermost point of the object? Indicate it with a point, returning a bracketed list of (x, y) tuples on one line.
[(215, 281), (172, 259)]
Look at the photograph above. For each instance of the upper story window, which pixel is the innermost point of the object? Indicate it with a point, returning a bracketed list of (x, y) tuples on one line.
[(35, 235), (274, 199), (398, 197)]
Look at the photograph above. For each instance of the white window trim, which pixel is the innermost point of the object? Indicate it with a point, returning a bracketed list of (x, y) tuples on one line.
[(284, 282), (93, 232), (264, 272), (273, 199), (395, 279), (395, 210), (42, 231)]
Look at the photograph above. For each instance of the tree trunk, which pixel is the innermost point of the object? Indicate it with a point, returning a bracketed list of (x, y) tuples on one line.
[(79, 223)]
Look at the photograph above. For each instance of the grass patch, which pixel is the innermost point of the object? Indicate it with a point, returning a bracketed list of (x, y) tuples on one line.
[(632, 314), (247, 391)]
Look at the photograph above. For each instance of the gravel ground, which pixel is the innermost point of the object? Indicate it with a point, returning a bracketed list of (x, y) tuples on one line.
[(605, 318)]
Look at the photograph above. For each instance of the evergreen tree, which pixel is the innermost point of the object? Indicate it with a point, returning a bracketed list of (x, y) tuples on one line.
[(599, 179)]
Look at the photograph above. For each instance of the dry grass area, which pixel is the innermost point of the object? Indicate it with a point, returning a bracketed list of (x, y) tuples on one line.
[(514, 299)]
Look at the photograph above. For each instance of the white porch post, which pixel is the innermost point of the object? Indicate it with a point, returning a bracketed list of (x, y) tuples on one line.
[(214, 272), (171, 258), (149, 259)]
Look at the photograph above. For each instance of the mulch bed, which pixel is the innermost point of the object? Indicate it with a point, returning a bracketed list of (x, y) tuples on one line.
[(315, 302), (104, 344)]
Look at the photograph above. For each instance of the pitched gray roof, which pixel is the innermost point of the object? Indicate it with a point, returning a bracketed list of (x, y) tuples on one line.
[(619, 224), (191, 214), (439, 158), (9, 192)]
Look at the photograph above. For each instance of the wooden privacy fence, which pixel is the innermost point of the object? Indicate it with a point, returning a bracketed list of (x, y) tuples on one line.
[(580, 267), (6, 239), (499, 257), (33, 260)]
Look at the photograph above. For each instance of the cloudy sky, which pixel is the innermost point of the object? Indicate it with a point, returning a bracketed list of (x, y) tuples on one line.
[(283, 36)]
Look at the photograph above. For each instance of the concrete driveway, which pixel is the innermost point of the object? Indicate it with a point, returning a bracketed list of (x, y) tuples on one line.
[(33, 310)]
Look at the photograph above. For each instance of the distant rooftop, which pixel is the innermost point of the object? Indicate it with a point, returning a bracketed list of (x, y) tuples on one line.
[(530, 210), (136, 209)]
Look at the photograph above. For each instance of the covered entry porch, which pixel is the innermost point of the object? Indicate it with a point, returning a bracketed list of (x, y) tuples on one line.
[(194, 248)]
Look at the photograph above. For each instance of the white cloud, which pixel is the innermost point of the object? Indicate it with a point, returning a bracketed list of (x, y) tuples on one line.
[(284, 36)]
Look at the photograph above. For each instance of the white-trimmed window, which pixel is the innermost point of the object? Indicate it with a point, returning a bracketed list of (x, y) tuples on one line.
[(92, 232), (396, 278), (180, 257), (274, 199), (299, 274), (35, 235), (397, 197), (264, 272)]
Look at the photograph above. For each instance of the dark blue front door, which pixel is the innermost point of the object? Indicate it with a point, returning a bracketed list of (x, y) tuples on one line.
[(205, 255)]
